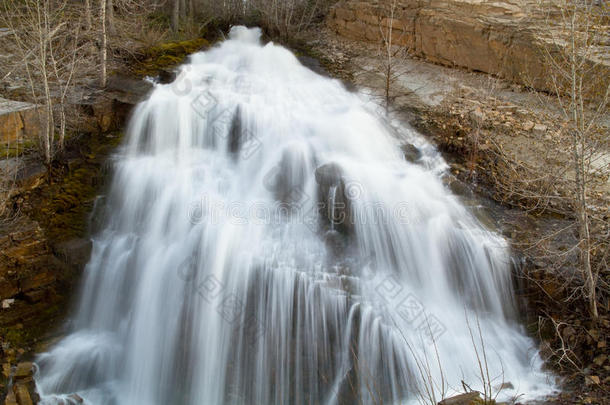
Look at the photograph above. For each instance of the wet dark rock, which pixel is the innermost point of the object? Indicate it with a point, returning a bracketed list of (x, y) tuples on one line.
[(167, 76), (411, 153), (108, 110), (335, 243), (458, 187), (31, 175), (75, 252), (505, 386), (236, 132), (43, 251), (127, 89), (333, 204), (286, 180), (470, 398), (76, 398), (313, 64), (328, 175)]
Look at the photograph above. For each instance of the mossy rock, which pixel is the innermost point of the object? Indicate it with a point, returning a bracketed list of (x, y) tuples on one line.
[(16, 149), (64, 205), (21, 336), (179, 48), (167, 55)]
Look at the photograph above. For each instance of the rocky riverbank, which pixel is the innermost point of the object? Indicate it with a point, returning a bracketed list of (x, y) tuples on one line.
[(45, 241), (483, 125), (45, 244), (489, 129)]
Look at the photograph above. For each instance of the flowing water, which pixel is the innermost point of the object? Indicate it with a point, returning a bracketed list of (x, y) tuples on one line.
[(266, 242)]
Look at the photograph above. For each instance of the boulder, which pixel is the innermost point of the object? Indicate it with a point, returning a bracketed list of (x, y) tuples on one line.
[(18, 121), (333, 203), (410, 152), (22, 394), (286, 180), (24, 389), (108, 110), (75, 252), (76, 398), (10, 399), (31, 175), (128, 90), (470, 398), (236, 131), (24, 371), (505, 386)]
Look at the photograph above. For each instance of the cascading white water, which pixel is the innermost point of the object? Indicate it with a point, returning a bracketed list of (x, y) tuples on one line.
[(266, 243)]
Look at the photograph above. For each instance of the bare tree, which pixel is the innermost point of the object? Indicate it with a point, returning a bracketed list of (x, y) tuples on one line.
[(386, 21), (582, 95), (88, 15), (32, 36), (110, 16), (47, 41), (289, 18), (393, 51), (183, 10), (104, 44), (64, 65), (175, 14)]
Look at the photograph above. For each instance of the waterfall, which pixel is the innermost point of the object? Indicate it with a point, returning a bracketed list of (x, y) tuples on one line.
[(266, 242)]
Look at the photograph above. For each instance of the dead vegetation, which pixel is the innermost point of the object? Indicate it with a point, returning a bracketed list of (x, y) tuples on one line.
[(551, 160)]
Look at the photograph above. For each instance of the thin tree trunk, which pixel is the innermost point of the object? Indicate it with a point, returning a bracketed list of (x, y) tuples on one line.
[(191, 9), (586, 258), (62, 125), (88, 15), (43, 33), (110, 17), (182, 10), (579, 144), (104, 47), (176, 15)]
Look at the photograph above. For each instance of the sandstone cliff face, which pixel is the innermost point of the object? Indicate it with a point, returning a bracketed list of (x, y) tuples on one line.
[(18, 120), (499, 37), (31, 279)]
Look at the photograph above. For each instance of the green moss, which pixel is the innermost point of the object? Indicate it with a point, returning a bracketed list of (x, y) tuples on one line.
[(15, 337), (64, 205), (178, 48), (19, 336), (167, 55), (16, 149), (168, 60)]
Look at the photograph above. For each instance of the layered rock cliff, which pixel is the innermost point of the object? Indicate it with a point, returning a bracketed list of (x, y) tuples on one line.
[(18, 120), (504, 38)]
